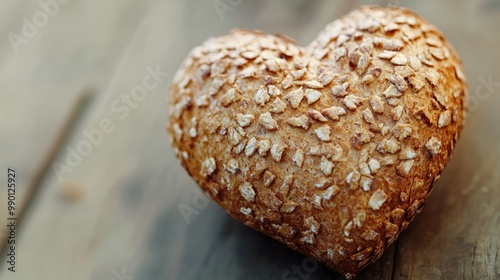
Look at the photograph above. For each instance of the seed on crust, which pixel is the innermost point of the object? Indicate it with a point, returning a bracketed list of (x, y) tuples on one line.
[(202, 101), (330, 192), (437, 53), (277, 150), (404, 71), (285, 186), (388, 160), (272, 65), (312, 225), (192, 132), (416, 84), (401, 131), (278, 106), (267, 121), (363, 63), (399, 82), (340, 90), (269, 178), (411, 33), (366, 183), (250, 54), (264, 146), (234, 137), (244, 120), (316, 115), (404, 167), (245, 211), (388, 146), (391, 26), (374, 165), (232, 166), (240, 61), (389, 44), (287, 81), (377, 104), (288, 207), (369, 235), (424, 60), (364, 169), (444, 119), (229, 97), (432, 76), (308, 237), (312, 84), (312, 96), (368, 116), (240, 147), (297, 74), (273, 90), (298, 158), (377, 199), (415, 63), (459, 73), (177, 131), (387, 54), (272, 202), (261, 97), (303, 121), (326, 166), (352, 179), (433, 146), (338, 53), (407, 153), (295, 97), (248, 72), (323, 133), (397, 112), (392, 91), (247, 191), (325, 78), (351, 102), (334, 112), (251, 147), (216, 85), (433, 41), (208, 167), (399, 59)]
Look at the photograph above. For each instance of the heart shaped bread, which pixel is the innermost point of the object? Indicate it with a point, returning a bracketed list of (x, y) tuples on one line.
[(331, 149)]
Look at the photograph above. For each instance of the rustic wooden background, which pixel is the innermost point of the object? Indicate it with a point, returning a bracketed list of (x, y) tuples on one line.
[(116, 214)]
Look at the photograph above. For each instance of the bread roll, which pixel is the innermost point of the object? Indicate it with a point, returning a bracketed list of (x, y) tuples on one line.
[(331, 149)]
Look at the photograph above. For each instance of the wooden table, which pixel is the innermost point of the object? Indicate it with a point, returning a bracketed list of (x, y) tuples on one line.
[(115, 213)]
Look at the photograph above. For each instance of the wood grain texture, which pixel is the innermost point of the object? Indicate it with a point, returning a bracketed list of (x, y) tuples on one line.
[(128, 221)]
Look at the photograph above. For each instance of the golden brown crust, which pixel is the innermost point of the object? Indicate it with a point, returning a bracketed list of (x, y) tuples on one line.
[(331, 149)]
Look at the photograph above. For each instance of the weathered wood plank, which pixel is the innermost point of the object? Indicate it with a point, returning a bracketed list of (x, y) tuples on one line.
[(90, 234), (42, 81)]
